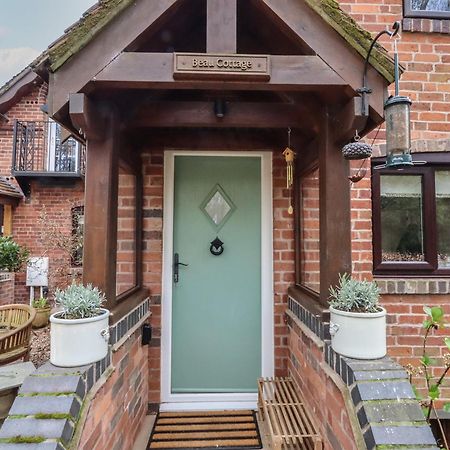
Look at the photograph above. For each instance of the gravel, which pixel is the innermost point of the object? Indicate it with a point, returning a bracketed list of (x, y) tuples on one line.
[(40, 346)]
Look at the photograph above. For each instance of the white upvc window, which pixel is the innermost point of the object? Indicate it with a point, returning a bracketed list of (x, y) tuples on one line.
[(63, 152)]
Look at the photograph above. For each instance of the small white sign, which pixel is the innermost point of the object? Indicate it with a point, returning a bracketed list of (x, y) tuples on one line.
[(37, 271)]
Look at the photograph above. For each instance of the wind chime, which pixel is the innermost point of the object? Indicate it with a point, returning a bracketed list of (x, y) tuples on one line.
[(289, 156)]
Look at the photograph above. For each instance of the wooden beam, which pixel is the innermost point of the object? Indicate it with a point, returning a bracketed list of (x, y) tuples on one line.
[(297, 19), (221, 26), (85, 117), (211, 139), (155, 71), (100, 238), (335, 215), (110, 42), (238, 115)]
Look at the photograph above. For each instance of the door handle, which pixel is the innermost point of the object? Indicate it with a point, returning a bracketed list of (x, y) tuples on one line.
[(176, 267)]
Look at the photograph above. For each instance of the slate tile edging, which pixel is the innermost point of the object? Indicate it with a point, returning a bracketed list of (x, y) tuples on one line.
[(46, 411), (384, 401)]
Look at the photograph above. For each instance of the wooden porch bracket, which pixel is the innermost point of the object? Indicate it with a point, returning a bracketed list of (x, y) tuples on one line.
[(221, 26), (348, 120), (86, 118), (101, 192), (335, 213)]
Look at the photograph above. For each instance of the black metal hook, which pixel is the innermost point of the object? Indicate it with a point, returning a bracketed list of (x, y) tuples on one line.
[(365, 89)]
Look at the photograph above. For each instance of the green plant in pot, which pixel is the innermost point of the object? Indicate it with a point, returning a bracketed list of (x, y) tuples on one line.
[(79, 332), (43, 309), (12, 255), (357, 321)]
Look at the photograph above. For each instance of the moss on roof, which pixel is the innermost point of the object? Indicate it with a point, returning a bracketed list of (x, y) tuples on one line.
[(82, 32), (356, 36), (95, 19)]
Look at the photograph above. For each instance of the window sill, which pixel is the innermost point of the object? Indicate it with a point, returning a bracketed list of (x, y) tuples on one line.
[(127, 304), (426, 25), (308, 302), (402, 285)]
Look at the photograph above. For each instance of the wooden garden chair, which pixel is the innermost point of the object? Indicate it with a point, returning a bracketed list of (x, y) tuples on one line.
[(15, 332)]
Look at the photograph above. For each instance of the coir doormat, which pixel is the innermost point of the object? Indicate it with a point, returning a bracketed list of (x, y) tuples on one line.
[(206, 430)]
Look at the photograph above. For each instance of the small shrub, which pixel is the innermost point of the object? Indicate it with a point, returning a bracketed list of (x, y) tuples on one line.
[(355, 296), (434, 371), (40, 303), (12, 255), (79, 302)]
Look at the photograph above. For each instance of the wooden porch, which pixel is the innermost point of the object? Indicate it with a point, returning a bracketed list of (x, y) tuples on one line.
[(123, 93)]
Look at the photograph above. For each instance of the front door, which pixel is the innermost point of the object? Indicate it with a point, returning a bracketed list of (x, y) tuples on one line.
[(216, 297)]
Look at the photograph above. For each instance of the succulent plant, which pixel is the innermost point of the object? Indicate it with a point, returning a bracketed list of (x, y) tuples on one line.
[(355, 295), (79, 302)]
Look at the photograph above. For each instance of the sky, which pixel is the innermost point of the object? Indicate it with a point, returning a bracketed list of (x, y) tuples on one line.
[(27, 27)]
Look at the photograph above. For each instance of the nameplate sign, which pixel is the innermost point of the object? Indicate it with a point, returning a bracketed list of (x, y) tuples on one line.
[(212, 66)]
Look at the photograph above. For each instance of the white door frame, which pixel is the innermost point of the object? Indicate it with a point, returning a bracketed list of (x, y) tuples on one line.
[(169, 401)]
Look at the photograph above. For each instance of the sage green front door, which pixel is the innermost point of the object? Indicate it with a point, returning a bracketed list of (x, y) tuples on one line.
[(216, 302)]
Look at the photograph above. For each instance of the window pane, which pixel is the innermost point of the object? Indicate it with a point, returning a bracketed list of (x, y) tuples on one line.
[(126, 233), (443, 217), (310, 232), (430, 5), (401, 218)]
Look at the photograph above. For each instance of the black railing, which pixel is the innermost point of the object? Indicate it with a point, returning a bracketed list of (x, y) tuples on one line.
[(45, 147)]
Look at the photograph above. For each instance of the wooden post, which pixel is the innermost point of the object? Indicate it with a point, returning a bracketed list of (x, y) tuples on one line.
[(335, 215), (7, 220), (221, 26), (100, 237)]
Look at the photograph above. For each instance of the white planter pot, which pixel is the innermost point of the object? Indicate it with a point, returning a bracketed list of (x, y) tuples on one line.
[(78, 342), (358, 335)]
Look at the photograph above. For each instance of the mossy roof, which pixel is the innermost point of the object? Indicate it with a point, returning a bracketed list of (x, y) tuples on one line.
[(97, 17)]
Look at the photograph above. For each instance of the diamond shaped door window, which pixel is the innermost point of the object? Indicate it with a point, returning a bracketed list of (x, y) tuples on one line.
[(218, 207)]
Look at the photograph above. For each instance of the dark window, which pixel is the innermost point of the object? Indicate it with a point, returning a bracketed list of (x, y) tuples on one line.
[(432, 9), (411, 218), (77, 235)]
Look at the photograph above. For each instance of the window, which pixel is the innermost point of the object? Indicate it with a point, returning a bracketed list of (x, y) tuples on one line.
[(309, 231), (411, 219), (63, 152), (432, 9), (77, 236)]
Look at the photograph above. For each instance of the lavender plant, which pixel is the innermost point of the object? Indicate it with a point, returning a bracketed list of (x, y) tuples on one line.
[(79, 302), (355, 295)]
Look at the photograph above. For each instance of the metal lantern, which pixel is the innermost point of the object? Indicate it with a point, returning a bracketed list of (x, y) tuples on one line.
[(398, 131)]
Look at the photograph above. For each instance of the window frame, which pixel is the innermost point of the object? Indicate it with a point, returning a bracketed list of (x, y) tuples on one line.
[(138, 231), (408, 12), (298, 215), (429, 267)]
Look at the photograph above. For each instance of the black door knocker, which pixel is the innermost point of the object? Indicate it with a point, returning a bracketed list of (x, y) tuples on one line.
[(216, 247)]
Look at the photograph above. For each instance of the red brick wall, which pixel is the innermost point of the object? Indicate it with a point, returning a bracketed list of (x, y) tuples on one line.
[(405, 333), (7, 288), (47, 214), (425, 56), (28, 228), (325, 401), (118, 408), (284, 261)]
